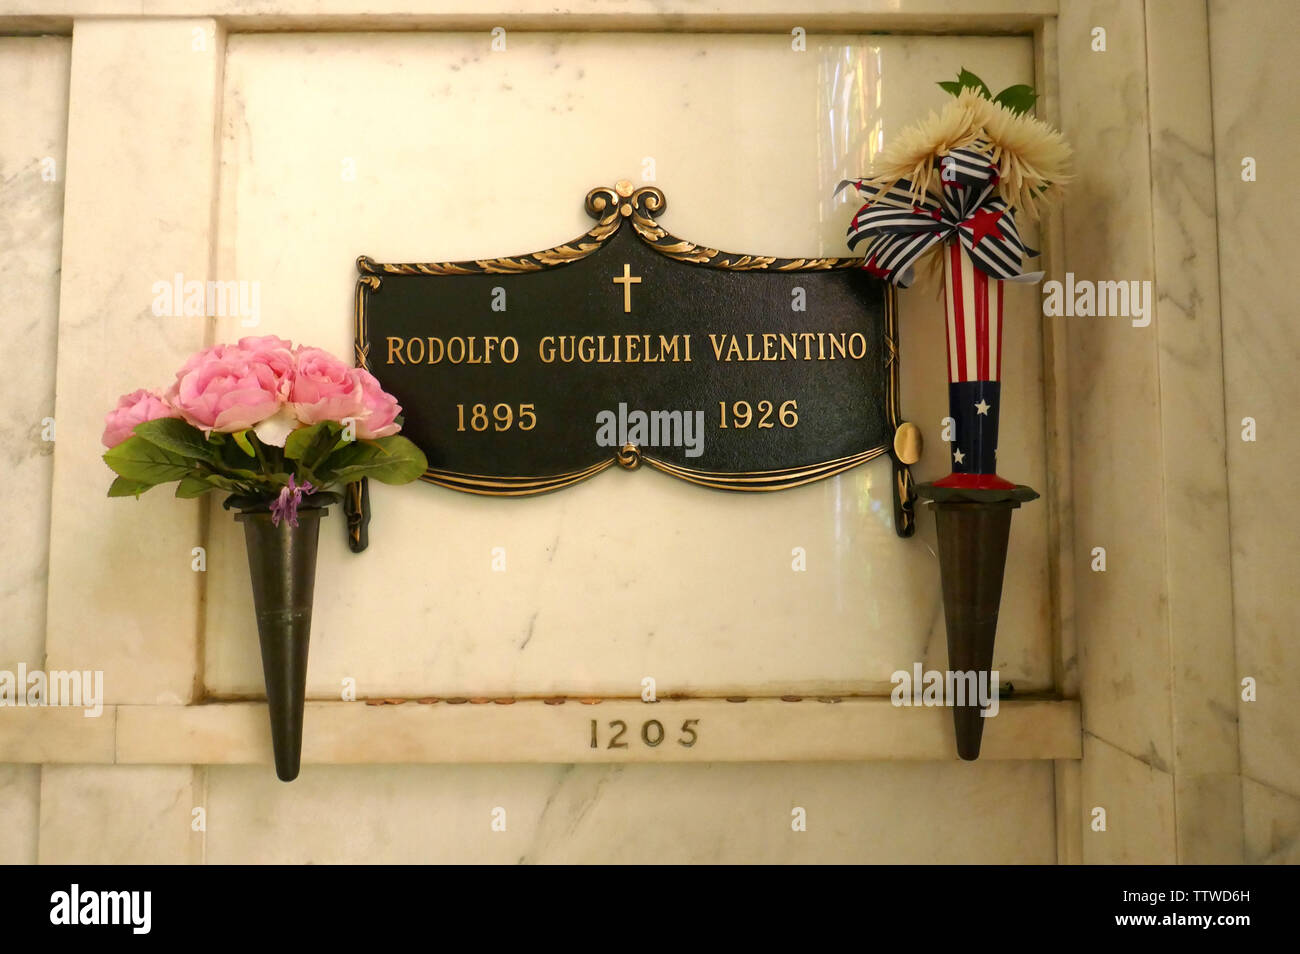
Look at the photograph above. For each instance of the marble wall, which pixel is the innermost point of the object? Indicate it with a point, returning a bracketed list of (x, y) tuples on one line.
[(439, 131), (228, 156), (33, 139), (657, 814), (1255, 72)]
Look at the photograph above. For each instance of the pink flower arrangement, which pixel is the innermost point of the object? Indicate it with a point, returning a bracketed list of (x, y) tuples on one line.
[(275, 426), (228, 388), (260, 418)]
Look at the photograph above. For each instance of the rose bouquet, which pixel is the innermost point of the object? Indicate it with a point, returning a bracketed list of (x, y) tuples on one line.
[(275, 426), (269, 423)]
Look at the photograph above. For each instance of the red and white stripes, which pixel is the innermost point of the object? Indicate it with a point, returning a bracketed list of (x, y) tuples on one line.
[(974, 306)]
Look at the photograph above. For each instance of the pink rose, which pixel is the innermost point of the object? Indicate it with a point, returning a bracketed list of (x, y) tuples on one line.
[(324, 388), (132, 409), (277, 354), (379, 408), (225, 389), (266, 343), (200, 357)]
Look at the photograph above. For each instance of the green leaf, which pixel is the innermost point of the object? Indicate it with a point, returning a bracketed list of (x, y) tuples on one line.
[(1019, 98), (122, 487), (233, 457), (299, 439), (241, 438), (389, 460), (192, 486), (951, 86), (968, 79), (211, 482), (223, 482), (228, 469), (139, 460), (177, 436), (310, 445)]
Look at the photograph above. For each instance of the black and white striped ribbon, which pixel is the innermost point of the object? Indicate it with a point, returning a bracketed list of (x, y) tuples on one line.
[(899, 228)]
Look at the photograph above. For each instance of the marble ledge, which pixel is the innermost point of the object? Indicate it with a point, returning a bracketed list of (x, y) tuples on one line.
[(57, 734), (758, 730), (926, 16)]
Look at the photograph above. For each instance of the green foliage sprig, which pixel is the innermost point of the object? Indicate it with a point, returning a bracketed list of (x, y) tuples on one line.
[(168, 449), (1019, 98)]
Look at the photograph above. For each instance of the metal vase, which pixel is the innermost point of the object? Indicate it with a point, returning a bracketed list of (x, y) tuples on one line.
[(282, 569), (972, 539), (973, 503)]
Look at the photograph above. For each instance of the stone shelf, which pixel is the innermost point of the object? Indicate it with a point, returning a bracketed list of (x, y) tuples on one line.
[(756, 730)]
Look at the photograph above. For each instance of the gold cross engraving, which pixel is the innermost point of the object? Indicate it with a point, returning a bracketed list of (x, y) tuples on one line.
[(627, 281)]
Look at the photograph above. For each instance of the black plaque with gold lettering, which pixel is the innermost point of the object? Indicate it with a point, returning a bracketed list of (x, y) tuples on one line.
[(627, 345)]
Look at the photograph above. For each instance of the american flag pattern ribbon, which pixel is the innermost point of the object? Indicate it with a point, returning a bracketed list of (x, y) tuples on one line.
[(973, 304), (899, 227), (981, 249)]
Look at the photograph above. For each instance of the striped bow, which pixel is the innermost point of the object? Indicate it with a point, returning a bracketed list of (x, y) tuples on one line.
[(900, 230)]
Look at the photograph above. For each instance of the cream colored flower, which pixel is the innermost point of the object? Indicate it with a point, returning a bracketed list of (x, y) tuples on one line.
[(1031, 156), (912, 153)]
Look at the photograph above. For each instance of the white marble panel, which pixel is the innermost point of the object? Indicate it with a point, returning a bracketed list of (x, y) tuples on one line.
[(142, 112), (20, 794), (1118, 475), (120, 814), (855, 813), (1190, 341), (1137, 798), (1255, 72), (33, 141), (460, 152), (1120, 471), (1272, 824)]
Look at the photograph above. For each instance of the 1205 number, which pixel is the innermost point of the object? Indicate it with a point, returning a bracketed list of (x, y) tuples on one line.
[(652, 734)]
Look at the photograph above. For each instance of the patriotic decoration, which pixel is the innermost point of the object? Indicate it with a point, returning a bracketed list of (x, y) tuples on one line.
[(900, 224), (946, 191), (975, 232), (974, 307)]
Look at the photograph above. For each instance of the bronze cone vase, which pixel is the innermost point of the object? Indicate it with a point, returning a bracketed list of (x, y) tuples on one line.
[(282, 569), (972, 537), (973, 503)]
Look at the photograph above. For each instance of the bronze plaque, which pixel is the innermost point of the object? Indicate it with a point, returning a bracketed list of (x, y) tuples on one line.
[(630, 346)]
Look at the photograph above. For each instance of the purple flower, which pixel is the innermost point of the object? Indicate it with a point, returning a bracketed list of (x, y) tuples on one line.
[(286, 505)]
